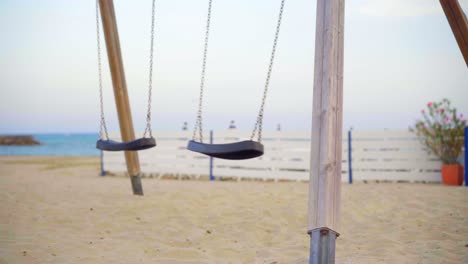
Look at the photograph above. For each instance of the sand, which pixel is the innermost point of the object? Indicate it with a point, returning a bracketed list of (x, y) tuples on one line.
[(58, 210)]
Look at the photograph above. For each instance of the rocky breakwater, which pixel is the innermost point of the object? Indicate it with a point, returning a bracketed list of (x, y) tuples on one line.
[(18, 141)]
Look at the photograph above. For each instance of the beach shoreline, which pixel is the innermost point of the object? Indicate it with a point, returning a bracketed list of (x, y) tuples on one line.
[(59, 210)]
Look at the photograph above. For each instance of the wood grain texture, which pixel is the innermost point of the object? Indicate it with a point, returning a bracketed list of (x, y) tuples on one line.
[(459, 24), (325, 169), (111, 34)]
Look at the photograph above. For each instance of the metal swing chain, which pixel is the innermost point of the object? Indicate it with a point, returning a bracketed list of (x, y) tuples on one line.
[(150, 79), (199, 122), (102, 127), (259, 123)]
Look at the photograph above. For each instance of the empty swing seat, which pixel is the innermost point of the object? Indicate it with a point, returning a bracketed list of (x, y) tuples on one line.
[(134, 145), (247, 149)]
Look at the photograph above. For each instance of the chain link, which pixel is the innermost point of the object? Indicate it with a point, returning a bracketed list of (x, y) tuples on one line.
[(199, 122), (102, 126), (259, 122), (150, 78)]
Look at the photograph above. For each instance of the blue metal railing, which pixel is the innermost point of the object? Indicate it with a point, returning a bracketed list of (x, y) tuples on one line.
[(350, 158), (212, 178), (103, 172), (466, 156)]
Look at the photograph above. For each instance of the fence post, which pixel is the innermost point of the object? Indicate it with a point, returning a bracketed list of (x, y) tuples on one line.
[(103, 172), (211, 158), (350, 158), (466, 156)]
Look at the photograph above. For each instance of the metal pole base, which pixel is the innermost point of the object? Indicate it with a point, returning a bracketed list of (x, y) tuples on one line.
[(322, 245), (136, 184)]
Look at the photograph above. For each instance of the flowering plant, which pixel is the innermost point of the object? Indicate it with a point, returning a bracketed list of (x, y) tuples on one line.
[(441, 130)]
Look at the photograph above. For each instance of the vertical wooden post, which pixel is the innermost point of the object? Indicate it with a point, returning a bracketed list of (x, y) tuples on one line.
[(325, 169), (111, 34), (459, 24)]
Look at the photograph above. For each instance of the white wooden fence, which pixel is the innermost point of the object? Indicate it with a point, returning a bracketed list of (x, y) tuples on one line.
[(384, 155), (392, 155)]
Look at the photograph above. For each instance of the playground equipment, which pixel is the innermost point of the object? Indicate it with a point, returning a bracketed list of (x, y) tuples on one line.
[(459, 24), (325, 172), (104, 143), (327, 115), (246, 149), (109, 25)]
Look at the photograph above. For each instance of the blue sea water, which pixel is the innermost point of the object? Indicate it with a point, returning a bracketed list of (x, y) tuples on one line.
[(56, 145)]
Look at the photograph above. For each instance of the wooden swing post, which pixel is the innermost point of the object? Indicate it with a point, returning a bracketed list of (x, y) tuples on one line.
[(111, 34), (325, 168), (459, 24)]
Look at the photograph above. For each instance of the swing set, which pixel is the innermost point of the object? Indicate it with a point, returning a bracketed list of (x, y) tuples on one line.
[(246, 149), (325, 169)]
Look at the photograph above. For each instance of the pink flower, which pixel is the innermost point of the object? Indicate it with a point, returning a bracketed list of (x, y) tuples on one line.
[(447, 119), (429, 104), (442, 110), (422, 111), (461, 115)]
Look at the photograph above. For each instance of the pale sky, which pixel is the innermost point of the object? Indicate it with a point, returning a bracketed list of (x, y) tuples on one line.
[(399, 54)]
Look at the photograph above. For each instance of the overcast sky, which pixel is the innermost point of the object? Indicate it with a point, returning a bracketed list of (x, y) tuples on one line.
[(399, 54)]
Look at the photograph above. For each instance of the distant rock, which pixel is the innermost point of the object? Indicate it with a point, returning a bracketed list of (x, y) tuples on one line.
[(18, 141)]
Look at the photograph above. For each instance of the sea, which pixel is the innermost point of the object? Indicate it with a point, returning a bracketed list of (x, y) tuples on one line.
[(56, 145)]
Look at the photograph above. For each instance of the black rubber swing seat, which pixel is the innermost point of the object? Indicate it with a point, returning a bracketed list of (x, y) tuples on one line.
[(247, 149), (134, 145)]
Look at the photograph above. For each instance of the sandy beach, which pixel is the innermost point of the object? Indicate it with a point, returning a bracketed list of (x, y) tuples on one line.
[(58, 210)]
